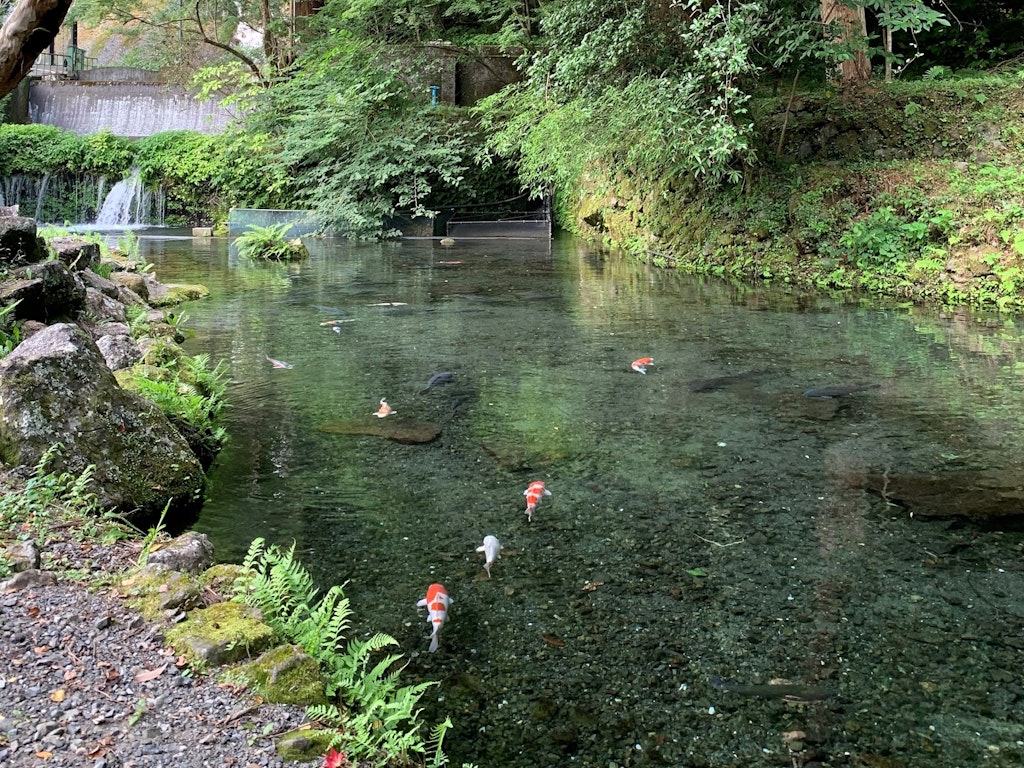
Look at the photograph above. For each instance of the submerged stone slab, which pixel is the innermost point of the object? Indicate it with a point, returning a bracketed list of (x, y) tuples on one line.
[(977, 495), (169, 294), (408, 432)]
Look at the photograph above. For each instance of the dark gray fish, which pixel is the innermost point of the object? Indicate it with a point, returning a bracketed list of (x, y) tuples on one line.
[(329, 310), (475, 297), (839, 390), (443, 377), (720, 382)]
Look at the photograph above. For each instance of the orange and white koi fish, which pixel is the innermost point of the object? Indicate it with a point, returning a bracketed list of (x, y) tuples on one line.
[(279, 363), (640, 364), (533, 496), (437, 602), (384, 410), (492, 551)]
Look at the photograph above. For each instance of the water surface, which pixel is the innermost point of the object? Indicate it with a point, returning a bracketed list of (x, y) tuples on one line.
[(711, 532)]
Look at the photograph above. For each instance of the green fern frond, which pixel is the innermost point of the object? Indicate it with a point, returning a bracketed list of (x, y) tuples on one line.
[(380, 723)]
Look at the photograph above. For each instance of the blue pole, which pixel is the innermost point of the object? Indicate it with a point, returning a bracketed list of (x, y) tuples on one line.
[(434, 90)]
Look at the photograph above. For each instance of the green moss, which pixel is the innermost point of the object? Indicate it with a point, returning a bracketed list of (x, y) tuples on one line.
[(153, 590), (221, 577), (178, 294), (282, 675), (222, 633), (304, 745)]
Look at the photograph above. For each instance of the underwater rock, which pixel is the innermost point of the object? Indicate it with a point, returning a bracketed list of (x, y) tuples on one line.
[(839, 390), (168, 294), (979, 495), (407, 432)]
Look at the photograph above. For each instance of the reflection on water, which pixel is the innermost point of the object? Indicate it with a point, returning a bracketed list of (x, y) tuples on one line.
[(711, 530)]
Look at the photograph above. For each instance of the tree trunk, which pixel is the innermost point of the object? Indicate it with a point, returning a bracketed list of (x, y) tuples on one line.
[(28, 31), (853, 31)]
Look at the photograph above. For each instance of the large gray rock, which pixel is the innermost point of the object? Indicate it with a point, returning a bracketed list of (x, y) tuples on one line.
[(19, 242), (103, 309), (76, 253), (119, 350), (56, 388), (46, 292), (192, 552), (101, 284)]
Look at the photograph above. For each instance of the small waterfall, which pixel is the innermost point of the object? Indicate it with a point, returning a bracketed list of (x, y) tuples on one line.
[(63, 199), (59, 198), (42, 196), (129, 203)]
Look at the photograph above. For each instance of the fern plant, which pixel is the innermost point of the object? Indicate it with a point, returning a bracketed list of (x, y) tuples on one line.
[(375, 717), (10, 329), (192, 397), (269, 243)]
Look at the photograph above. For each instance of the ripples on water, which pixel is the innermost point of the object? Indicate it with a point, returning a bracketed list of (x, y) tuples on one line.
[(710, 529)]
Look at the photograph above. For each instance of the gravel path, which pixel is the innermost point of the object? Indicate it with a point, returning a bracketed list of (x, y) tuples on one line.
[(85, 681)]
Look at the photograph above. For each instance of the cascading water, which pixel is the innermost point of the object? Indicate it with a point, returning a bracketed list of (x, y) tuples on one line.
[(129, 203), (42, 196), (84, 200)]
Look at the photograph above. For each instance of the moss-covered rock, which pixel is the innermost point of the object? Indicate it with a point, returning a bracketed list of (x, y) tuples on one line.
[(283, 675), (55, 387), (165, 295), (155, 589), (222, 633), (303, 745), (221, 578)]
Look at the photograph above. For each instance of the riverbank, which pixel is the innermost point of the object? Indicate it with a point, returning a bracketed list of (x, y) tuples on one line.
[(88, 682), (908, 190)]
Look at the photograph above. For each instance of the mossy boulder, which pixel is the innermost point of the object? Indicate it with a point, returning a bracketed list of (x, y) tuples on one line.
[(222, 633), (303, 745), (220, 578), (155, 589), (283, 675), (55, 387), (165, 295)]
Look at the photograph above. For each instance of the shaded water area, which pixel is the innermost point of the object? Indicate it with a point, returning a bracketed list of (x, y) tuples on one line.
[(727, 573)]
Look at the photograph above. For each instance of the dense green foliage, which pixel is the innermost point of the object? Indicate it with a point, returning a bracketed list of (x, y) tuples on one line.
[(645, 101), (44, 149), (190, 392), (360, 143), (661, 92)]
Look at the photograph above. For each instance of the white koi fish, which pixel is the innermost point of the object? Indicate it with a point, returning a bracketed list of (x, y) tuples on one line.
[(492, 551)]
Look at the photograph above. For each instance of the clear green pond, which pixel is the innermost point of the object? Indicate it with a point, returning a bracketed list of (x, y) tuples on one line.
[(727, 572)]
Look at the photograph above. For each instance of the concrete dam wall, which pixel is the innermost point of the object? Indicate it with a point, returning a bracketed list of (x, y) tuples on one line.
[(125, 108)]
